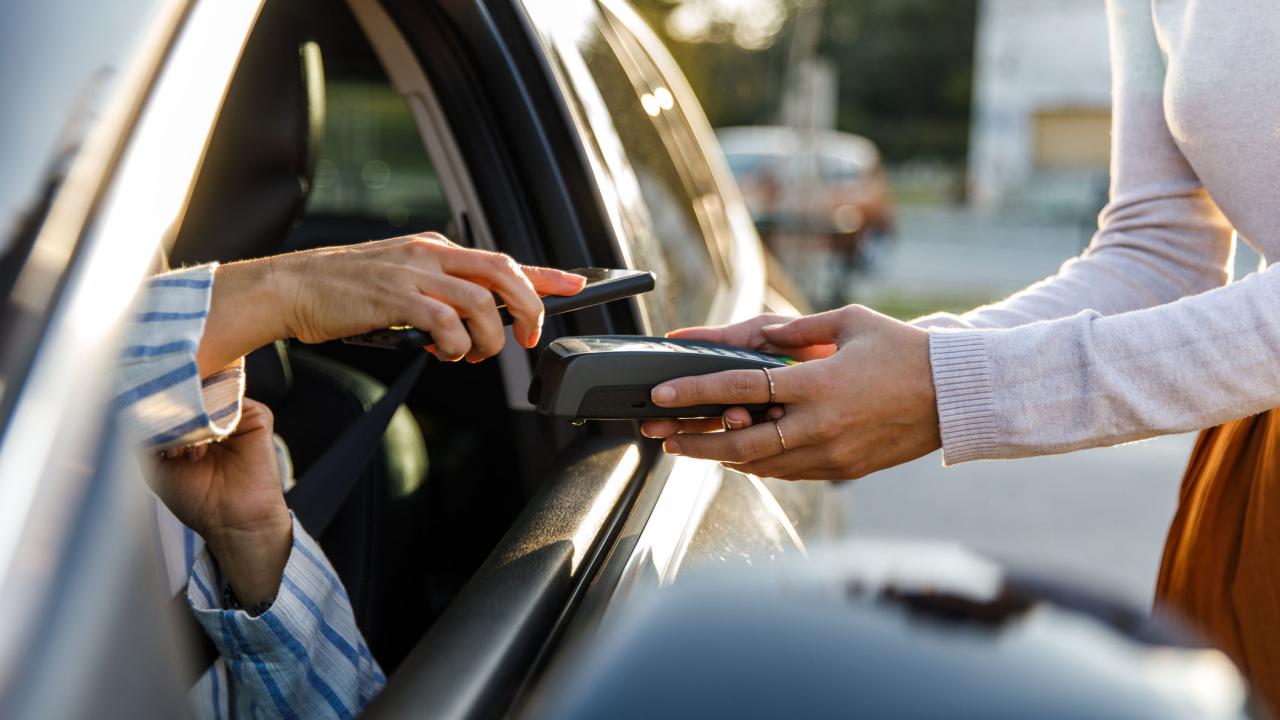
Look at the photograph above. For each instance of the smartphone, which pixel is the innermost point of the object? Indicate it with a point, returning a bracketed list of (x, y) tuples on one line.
[(603, 285)]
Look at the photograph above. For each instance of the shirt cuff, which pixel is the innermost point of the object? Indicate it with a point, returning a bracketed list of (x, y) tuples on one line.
[(966, 403), (309, 591), (163, 397)]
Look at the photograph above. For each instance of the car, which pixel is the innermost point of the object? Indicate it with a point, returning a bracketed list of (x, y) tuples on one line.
[(558, 132), (482, 539), (831, 186)]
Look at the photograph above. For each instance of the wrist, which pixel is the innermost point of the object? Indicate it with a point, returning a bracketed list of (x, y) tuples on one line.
[(252, 558), (247, 310)]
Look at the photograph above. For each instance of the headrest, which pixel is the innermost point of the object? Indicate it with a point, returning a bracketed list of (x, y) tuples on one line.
[(257, 171)]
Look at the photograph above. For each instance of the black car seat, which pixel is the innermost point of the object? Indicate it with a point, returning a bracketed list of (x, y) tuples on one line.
[(251, 190)]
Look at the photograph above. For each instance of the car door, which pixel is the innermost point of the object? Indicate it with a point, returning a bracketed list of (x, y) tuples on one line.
[(539, 176), (141, 83)]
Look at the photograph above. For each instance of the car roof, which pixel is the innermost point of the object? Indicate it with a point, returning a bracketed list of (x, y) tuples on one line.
[(781, 140)]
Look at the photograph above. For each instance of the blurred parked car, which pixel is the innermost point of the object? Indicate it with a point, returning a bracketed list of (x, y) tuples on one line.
[(482, 534), (834, 187)]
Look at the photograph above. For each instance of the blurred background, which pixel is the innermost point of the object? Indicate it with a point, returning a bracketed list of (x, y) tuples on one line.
[(925, 155)]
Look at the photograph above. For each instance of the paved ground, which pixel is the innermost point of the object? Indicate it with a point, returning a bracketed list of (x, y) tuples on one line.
[(1097, 516)]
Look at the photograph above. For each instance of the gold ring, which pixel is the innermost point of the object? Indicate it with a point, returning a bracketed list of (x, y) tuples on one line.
[(773, 391), (778, 428)]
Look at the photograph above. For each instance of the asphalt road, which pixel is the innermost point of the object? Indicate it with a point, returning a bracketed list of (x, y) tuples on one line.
[(1097, 517)]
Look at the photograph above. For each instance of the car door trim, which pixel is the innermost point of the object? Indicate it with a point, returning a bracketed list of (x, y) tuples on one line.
[(50, 442), (478, 652)]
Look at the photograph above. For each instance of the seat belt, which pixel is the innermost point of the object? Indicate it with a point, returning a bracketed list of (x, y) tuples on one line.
[(322, 489)]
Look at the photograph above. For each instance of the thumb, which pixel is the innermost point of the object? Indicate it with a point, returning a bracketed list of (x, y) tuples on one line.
[(822, 329)]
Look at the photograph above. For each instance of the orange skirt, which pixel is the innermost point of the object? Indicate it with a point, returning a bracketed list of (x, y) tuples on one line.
[(1221, 566)]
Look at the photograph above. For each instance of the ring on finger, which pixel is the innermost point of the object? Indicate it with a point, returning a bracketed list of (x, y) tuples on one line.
[(773, 390), (781, 438)]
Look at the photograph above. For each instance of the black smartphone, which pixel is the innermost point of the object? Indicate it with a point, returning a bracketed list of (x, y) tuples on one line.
[(603, 285)]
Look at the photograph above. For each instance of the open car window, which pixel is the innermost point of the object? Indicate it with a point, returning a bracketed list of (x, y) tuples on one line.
[(338, 158), (666, 200)]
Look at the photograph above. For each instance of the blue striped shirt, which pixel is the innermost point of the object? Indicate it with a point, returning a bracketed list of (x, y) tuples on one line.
[(304, 657)]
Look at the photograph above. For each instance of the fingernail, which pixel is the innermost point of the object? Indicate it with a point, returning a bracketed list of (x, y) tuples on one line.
[(671, 447), (732, 424), (664, 394), (646, 431)]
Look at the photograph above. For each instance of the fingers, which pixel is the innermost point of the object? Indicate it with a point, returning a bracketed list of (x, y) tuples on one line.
[(666, 428), (821, 329), (549, 281), (452, 341), (800, 461), (503, 275), (742, 446), (475, 305), (732, 387), (744, 334), (735, 418), (705, 334)]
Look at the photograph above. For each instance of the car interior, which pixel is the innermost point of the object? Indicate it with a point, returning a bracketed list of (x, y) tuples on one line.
[(314, 147)]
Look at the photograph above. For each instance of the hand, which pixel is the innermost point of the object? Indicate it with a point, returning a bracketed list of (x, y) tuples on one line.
[(230, 494), (746, 334), (421, 280), (868, 406), (752, 334)]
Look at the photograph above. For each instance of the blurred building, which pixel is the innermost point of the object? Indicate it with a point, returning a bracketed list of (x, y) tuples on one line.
[(1041, 106)]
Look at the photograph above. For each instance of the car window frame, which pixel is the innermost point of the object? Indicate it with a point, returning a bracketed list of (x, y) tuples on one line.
[(609, 163), (744, 251), (61, 439)]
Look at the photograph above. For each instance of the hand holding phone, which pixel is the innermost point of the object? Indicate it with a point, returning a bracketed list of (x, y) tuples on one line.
[(603, 285)]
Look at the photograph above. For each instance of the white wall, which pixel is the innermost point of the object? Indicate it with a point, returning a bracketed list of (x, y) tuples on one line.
[(1029, 55)]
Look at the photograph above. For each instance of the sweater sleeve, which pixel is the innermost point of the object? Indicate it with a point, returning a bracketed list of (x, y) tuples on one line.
[(1091, 380), (1160, 237)]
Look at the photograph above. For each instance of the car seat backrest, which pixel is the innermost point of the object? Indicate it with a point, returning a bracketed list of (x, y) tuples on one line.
[(258, 168)]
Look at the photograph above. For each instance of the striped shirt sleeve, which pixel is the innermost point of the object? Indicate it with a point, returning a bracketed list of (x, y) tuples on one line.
[(304, 657), (160, 391)]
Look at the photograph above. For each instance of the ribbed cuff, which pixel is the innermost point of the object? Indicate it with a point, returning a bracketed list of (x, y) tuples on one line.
[(966, 406)]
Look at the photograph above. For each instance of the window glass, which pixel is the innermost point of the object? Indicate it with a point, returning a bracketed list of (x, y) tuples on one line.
[(372, 162), (839, 169), (746, 164), (665, 210)]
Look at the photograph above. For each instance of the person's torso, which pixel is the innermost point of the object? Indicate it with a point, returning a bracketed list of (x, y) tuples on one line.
[(1222, 104)]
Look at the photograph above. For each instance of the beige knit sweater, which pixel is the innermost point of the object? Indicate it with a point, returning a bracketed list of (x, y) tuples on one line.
[(1141, 335)]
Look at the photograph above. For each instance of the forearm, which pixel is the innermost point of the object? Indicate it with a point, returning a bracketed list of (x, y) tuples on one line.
[(247, 309), (253, 559), (1142, 258), (1090, 380)]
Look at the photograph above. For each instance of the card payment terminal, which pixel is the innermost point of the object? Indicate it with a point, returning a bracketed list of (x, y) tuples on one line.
[(609, 377)]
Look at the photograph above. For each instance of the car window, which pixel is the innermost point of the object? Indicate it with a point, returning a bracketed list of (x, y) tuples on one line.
[(665, 203), (838, 169), (747, 164), (373, 177), (372, 163)]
